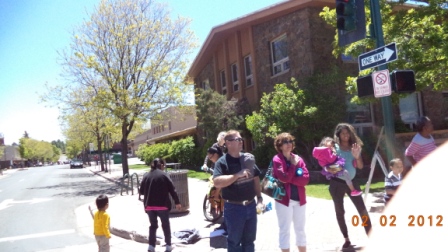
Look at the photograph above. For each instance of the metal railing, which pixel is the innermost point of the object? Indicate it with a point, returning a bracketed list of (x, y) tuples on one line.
[(125, 183)]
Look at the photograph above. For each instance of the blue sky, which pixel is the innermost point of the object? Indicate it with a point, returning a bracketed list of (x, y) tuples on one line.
[(31, 33)]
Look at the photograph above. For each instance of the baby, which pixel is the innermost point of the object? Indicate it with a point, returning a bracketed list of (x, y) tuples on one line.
[(333, 165)]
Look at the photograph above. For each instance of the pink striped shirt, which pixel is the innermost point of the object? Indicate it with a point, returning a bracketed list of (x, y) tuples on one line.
[(420, 147)]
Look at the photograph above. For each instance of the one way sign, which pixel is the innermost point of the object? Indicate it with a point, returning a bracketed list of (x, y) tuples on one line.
[(377, 57)]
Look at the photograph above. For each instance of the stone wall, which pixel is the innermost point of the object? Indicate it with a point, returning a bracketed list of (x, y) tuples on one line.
[(309, 47), (435, 106)]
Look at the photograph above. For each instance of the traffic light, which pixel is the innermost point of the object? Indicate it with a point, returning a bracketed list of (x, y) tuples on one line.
[(351, 21), (346, 15), (403, 81), (365, 86)]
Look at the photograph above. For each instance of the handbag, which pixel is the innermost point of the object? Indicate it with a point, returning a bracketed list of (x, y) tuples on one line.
[(272, 186)]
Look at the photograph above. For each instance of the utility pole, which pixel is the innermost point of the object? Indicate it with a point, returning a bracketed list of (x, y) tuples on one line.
[(386, 102)]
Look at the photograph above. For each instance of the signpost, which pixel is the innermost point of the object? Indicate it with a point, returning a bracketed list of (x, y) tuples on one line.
[(381, 83), (377, 57)]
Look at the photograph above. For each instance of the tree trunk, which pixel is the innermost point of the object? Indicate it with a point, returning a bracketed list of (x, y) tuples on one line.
[(124, 149), (100, 152)]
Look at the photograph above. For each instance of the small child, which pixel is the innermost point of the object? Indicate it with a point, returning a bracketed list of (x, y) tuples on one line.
[(393, 179), (332, 164), (101, 222)]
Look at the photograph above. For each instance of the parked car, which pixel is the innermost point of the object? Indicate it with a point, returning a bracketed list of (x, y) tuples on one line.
[(76, 163)]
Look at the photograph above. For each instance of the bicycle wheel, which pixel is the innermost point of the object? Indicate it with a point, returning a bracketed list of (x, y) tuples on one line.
[(209, 211)]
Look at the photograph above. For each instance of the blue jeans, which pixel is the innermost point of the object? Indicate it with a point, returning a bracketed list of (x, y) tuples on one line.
[(241, 224)]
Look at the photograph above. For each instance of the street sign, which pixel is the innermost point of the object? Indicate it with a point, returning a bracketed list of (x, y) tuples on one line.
[(377, 57), (381, 83), (91, 147)]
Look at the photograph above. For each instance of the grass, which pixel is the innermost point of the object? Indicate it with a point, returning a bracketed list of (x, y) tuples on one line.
[(138, 166), (321, 190)]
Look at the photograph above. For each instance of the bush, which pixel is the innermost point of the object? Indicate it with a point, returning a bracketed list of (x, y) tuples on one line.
[(182, 151), (263, 155), (148, 153)]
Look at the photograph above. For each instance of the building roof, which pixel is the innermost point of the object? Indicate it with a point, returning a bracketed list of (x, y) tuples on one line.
[(221, 32)]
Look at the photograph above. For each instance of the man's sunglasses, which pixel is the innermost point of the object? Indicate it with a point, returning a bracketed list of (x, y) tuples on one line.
[(238, 139), (287, 141)]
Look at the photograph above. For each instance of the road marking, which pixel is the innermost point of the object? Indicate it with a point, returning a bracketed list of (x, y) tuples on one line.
[(22, 237), (5, 204), (8, 202)]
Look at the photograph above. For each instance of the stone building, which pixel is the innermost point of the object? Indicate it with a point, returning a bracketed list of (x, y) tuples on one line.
[(246, 57)]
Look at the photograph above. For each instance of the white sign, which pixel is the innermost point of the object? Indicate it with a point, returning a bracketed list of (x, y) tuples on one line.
[(381, 83), (379, 56), (91, 147)]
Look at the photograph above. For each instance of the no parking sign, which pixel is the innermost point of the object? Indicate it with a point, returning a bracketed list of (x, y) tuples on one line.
[(381, 83)]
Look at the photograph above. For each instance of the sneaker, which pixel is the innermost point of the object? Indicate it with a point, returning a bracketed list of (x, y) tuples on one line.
[(168, 248), (151, 248), (346, 244), (355, 193)]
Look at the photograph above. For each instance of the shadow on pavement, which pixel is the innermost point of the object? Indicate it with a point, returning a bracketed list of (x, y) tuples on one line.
[(81, 189)]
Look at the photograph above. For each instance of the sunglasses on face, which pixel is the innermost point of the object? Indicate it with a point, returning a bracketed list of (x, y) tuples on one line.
[(287, 141), (238, 139)]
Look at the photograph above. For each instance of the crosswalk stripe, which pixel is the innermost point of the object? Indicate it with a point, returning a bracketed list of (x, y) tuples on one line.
[(44, 234)]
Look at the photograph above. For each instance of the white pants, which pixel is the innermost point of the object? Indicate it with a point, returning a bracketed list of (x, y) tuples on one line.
[(285, 215)]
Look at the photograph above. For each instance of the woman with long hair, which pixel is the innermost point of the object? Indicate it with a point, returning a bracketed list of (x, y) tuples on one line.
[(348, 146)]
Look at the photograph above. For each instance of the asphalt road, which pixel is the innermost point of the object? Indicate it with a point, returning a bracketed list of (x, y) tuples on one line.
[(37, 207)]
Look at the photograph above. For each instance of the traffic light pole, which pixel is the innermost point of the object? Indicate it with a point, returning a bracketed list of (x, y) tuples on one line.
[(386, 102)]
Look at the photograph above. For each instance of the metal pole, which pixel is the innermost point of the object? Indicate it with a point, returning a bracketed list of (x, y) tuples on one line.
[(386, 102)]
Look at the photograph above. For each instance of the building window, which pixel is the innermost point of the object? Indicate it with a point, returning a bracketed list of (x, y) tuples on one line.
[(163, 127), (410, 109), (169, 125), (235, 77), (205, 84), (223, 82), (279, 54), (248, 70), (360, 116)]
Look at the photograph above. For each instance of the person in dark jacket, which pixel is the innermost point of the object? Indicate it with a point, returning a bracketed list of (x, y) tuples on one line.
[(155, 186)]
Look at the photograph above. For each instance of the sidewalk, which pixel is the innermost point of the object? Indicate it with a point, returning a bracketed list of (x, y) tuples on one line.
[(129, 221)]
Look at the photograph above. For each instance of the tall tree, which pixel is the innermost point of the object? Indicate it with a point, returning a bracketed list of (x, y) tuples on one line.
[(215, 113), (134, 57), (308, 112)]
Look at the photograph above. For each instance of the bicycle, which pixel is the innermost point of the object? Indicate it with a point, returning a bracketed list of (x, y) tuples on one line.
[(213, 205)]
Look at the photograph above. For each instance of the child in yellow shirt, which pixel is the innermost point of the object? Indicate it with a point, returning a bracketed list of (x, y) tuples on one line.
[(101, 222)]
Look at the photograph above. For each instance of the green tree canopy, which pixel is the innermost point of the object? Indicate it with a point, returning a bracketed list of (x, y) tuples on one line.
[(34, 150), (308, 112), (133, 56), (216, 113), (421, 34)]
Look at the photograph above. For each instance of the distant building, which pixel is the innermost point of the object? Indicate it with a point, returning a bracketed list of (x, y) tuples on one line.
[(171, 124)]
